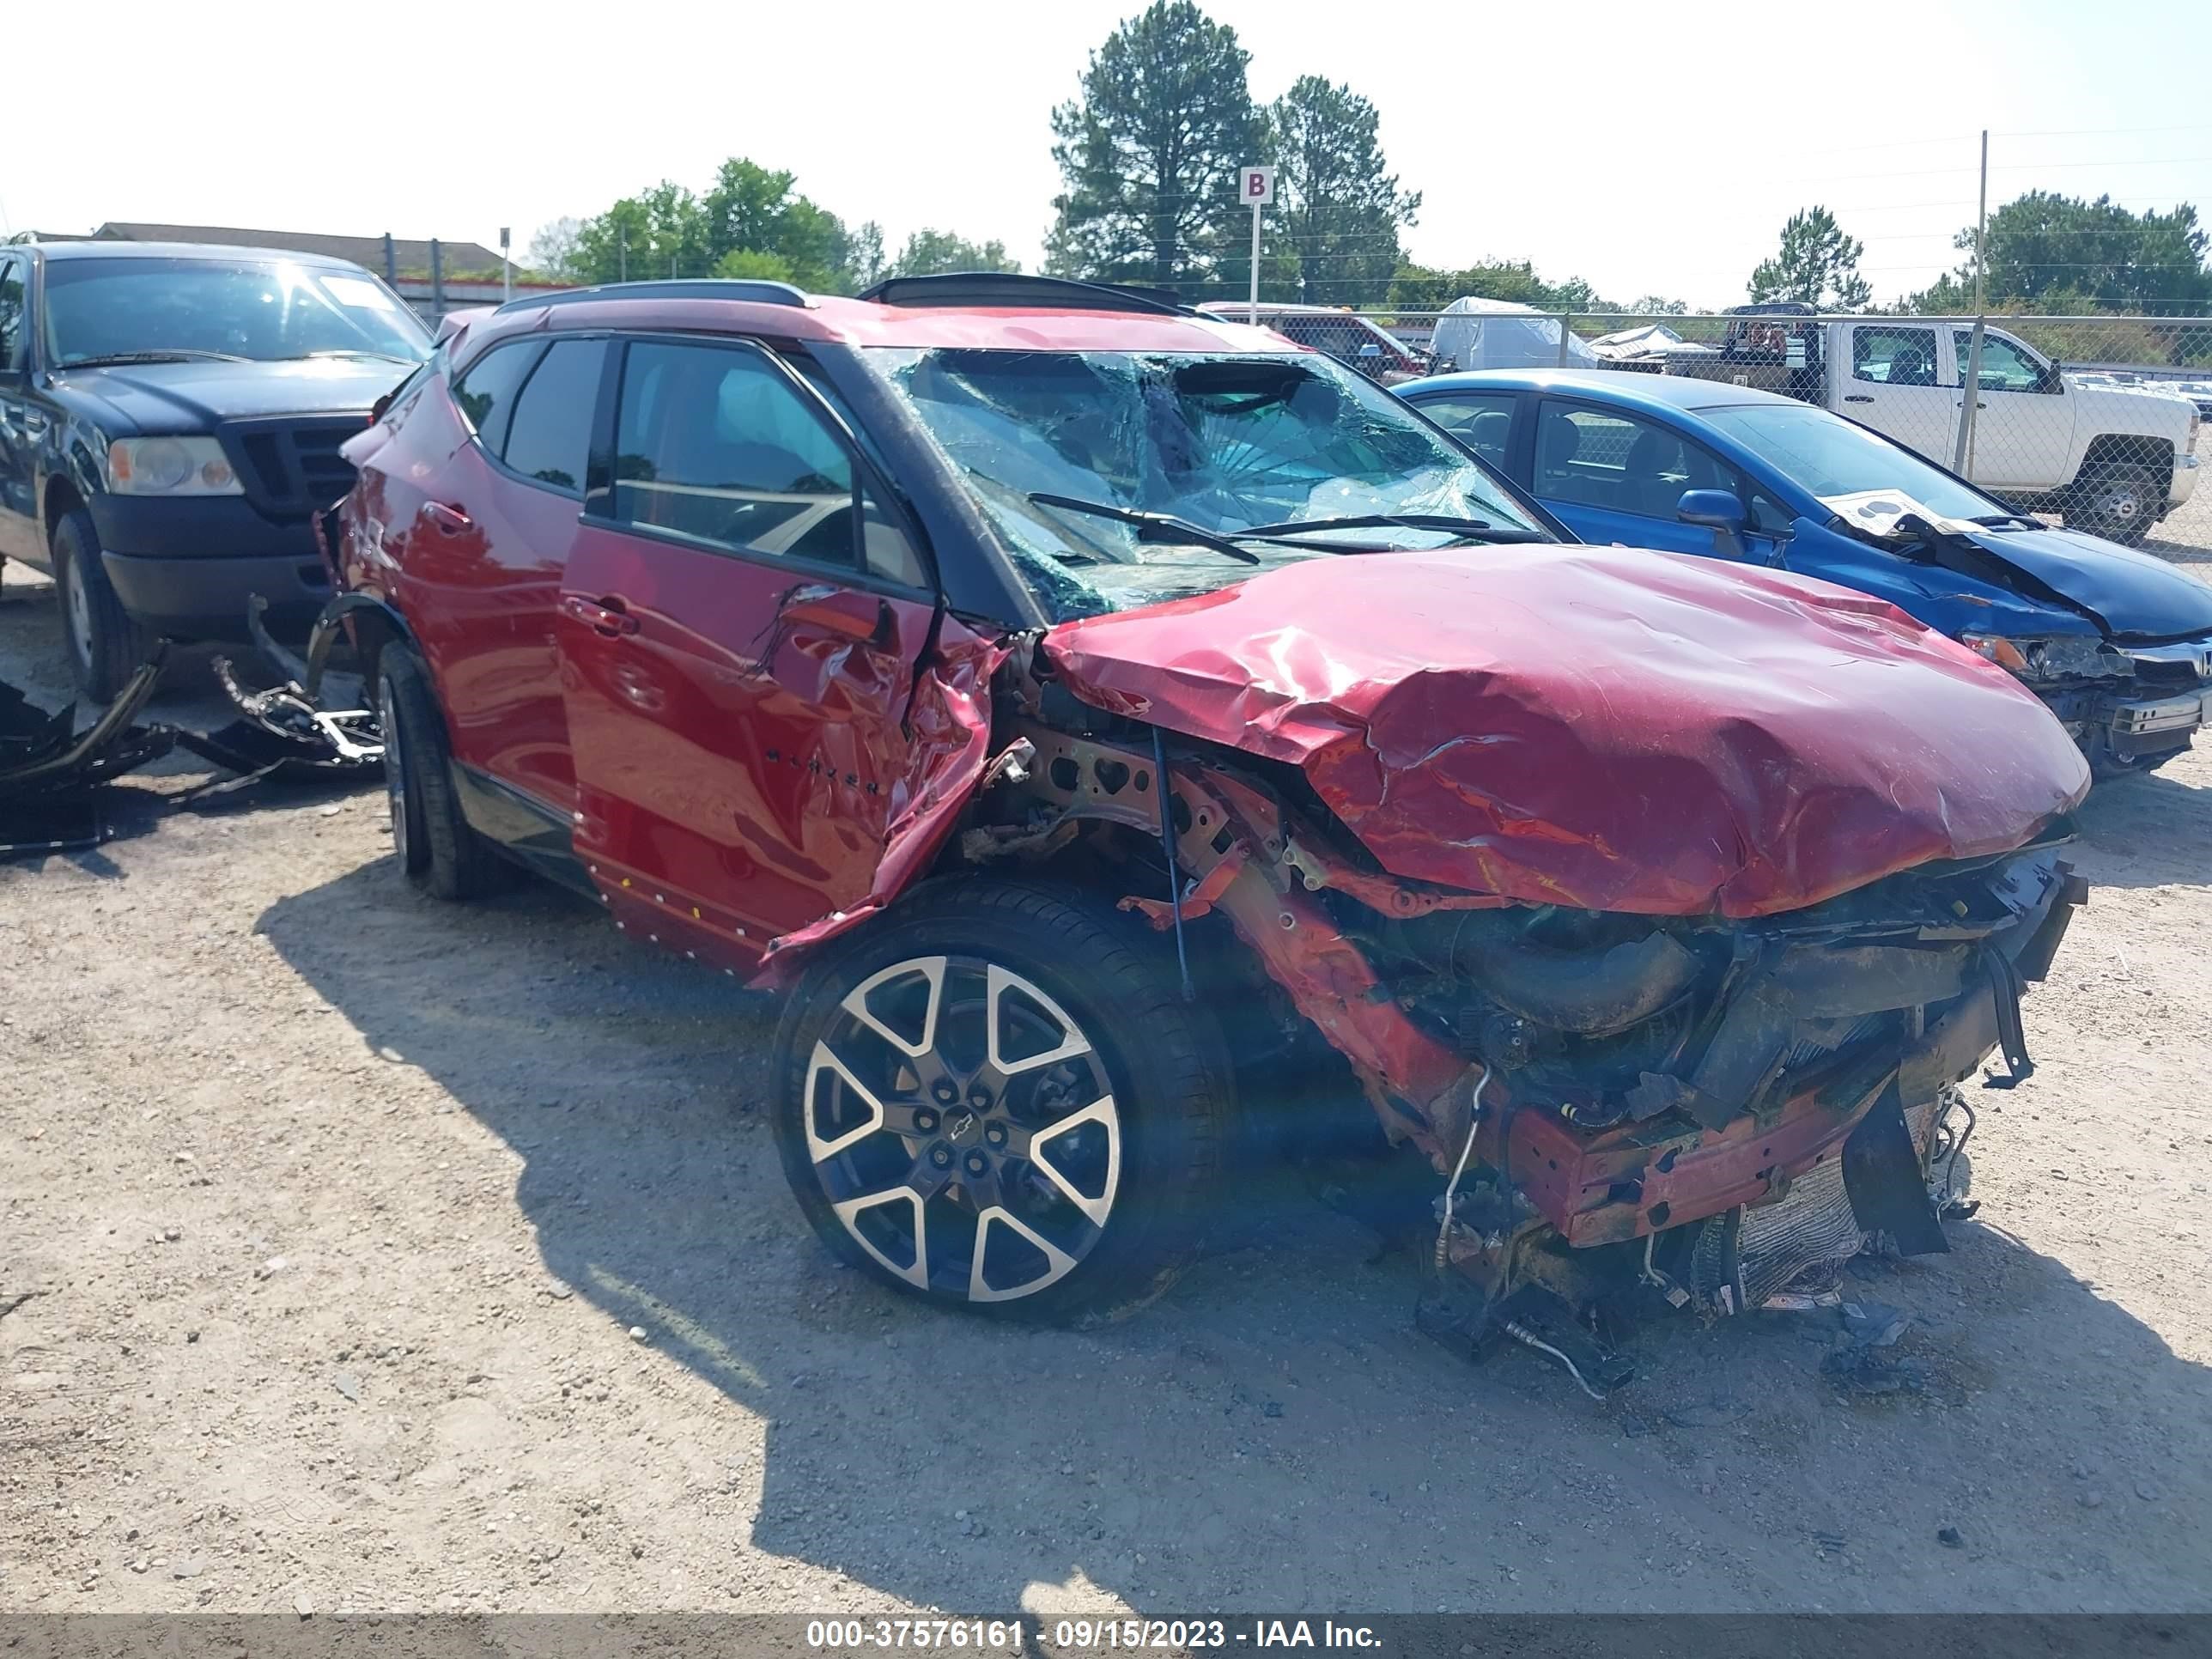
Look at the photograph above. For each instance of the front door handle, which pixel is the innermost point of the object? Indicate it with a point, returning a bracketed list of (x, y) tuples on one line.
[(608, 616), (1856, 397), (451, 519)]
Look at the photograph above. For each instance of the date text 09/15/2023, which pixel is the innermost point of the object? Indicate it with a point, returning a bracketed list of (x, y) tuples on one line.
[(998, 1636)]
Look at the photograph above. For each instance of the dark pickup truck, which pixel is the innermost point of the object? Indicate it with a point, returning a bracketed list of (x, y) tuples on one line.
[(170, 419)]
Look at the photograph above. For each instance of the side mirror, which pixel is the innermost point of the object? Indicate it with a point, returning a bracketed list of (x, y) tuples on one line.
[(1720, 509)]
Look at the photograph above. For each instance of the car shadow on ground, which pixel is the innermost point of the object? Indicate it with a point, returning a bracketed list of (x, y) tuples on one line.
[(2153, 831), (1272, 1432)]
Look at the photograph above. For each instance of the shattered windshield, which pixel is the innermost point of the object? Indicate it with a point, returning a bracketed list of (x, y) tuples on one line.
[(1220, 444)]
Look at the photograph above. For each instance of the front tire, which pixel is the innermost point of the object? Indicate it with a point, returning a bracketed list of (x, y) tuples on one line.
[(433, 842), (2105, 766), (994, 1098), (105, 646)]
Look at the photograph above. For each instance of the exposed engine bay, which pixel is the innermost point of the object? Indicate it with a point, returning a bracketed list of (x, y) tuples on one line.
[(1704, 1105)]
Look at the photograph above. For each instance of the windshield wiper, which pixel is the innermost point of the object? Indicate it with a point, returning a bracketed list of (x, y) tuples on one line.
[(1160, 529), (353, 352), (174, 354), (2004, 520), (1473, 529)]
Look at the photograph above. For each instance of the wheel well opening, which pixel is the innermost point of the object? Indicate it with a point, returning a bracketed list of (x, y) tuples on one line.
[(62, 500), (372, 630), (2116, 449)]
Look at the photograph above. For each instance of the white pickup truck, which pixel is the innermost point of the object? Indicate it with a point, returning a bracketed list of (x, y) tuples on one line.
[(2113, 459)]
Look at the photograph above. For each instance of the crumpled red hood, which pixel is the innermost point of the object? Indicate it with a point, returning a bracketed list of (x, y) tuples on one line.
[(1601, 727)]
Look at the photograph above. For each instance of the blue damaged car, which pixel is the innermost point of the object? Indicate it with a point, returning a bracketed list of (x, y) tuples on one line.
[(2118, 643)]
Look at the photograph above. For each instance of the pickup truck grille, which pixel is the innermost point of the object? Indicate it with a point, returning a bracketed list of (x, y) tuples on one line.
[(291, 468)]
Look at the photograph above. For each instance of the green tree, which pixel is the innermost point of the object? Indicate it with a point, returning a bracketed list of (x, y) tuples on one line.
[(757, 265), (1426, 288), (1340, 205), (864, 260), (1816, 265), (753, 209), (749, 210), (553, 250), (934, 253), (2094, 255), (1148, 151), (661, 230)]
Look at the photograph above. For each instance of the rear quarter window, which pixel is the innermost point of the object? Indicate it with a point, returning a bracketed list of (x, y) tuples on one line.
[(486, 390), (548, 437)]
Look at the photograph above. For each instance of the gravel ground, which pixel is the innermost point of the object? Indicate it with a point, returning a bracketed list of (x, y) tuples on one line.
[(362, 1252)]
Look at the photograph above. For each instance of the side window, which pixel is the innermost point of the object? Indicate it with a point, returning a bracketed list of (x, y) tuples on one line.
[(1480, 420), (548, 437), (1617, 463), (11, 313), (2005, 366), (1894, 356), (714, 446), (485, 392)]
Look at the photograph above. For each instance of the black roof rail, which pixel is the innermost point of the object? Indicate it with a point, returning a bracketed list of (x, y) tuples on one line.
[(707, 288), (1018, 291)]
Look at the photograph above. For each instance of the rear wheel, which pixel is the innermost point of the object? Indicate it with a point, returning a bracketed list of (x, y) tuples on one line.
[(2119, 502), (993, 1098), (105, 646), (433, 842)]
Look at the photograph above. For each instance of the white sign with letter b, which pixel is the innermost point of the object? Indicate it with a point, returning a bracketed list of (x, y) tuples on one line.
[(1255, 186)]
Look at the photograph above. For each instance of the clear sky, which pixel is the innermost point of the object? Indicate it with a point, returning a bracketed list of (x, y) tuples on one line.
[(1649, 149)]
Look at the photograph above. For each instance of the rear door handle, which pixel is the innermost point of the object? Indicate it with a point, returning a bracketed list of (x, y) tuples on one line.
[(608, 616), (451, 519), (1856, 397)]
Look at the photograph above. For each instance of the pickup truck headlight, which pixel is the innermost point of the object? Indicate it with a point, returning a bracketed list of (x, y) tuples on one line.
[(170, 466)]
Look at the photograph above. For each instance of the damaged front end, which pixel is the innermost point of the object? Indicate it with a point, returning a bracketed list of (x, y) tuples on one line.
[(1703, 1103), (1710, 1105)]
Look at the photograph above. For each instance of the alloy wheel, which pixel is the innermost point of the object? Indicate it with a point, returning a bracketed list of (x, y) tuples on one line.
[(963, 1128)]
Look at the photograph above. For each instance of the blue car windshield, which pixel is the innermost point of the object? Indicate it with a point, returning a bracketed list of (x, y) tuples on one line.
[(261, 311), (1221, 443), (1829, 458)]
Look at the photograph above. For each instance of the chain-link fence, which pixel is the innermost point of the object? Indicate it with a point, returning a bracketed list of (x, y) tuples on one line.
[(2091, 420)]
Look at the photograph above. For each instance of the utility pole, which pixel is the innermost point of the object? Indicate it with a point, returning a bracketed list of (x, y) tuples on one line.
[(1969, 394), (622, 244), (506, 269)]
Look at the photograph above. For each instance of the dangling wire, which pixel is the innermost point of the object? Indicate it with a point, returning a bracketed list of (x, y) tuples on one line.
[(1451, 1191)]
